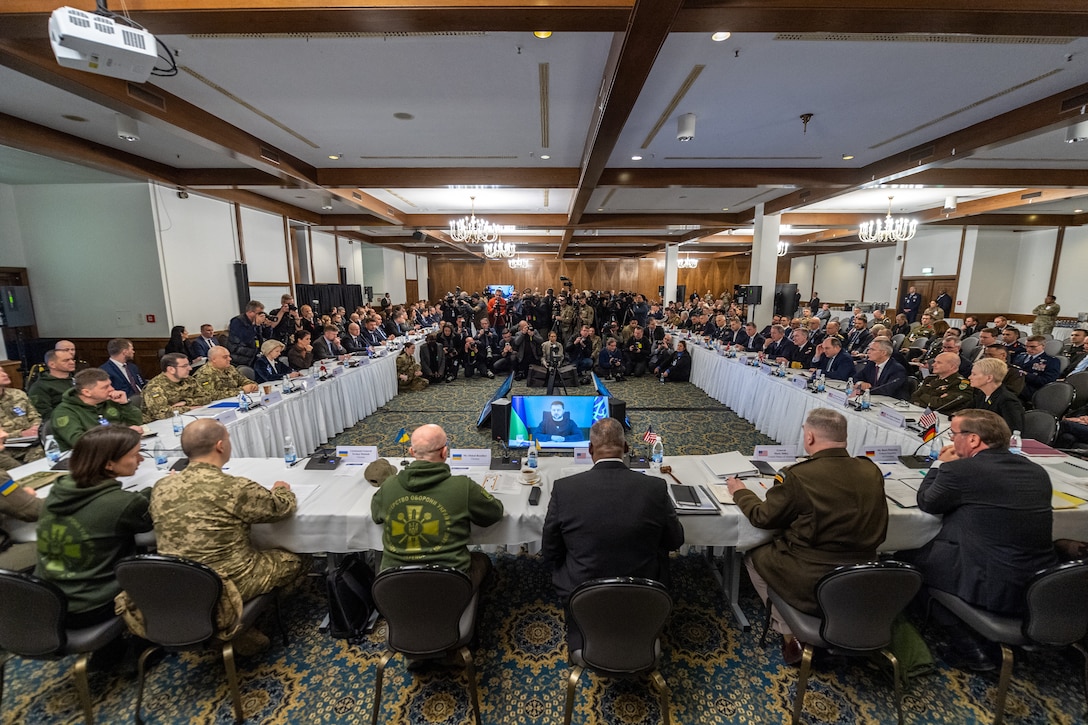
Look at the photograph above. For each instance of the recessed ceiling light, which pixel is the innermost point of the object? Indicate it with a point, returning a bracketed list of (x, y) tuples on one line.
[(73, 117), (336, 157), (636, 158), (725, 208), (720, 36), (600, 208), (401, 115), (1077, 211), (542, 34), (545, 156), (847, 157)]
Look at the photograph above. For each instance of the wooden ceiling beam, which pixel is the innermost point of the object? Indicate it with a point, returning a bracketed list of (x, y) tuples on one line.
[(368, 203), (424, 178), (442, 236), (525, 221), (631, 59), (1013, 220), (152, 105), (994, 178), (228, 178), (263, 203), (726, 178)]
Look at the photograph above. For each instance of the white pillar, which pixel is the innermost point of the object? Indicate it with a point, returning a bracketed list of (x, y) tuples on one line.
[(764, 263), (672, 254)]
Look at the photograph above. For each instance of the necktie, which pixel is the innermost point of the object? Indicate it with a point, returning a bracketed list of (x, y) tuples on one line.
[(211, 342), (131, 381)]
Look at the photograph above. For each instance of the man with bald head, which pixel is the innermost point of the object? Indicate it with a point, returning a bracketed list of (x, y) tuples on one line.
[(945, 390), (609, 521), (204, 514), (428, 513), (218, 379)]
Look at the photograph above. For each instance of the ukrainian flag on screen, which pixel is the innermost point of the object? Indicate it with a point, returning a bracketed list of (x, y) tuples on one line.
[(517, 419)]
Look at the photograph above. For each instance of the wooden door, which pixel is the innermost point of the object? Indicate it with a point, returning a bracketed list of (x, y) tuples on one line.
[(411, 291), (928, 288)]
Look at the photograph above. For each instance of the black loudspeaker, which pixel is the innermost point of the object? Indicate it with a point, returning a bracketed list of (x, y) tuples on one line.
[(241, 284), (568, 376), (537, 377), (500, 420), (343, 275), (618, 409)]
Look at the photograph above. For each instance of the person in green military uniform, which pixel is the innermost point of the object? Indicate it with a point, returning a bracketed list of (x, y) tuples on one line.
[(427, 513), (92, 402), (20, 419), (51, 385), (218, 379), (832, 511), (409, 373), (172, 389), (1046, 316), (945, 390), (204, 514)]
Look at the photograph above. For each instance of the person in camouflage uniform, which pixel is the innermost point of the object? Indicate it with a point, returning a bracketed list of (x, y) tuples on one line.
[(92, 402), (217, 379), (51, 385), (204, 514), (945, 390), (172, 389), (409, 373), (19, 418)]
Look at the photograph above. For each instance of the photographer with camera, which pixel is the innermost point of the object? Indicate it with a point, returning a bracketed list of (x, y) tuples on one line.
[(452, 344), (583, 349), (610, 361), (286, 320), (552, 351), (638, 354), (506, 357), (527, 342), (477, 354)]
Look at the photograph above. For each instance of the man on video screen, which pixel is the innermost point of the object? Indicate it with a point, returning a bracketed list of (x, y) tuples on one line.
[(556, 425)]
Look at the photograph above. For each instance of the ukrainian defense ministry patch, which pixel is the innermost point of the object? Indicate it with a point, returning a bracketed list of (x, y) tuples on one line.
[(61, 421)]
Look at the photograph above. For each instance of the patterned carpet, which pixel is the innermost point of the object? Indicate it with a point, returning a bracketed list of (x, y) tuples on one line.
[(717, 673)]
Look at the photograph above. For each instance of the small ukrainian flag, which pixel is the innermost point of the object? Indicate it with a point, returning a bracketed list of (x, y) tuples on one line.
[(402, 436), (8, 487)]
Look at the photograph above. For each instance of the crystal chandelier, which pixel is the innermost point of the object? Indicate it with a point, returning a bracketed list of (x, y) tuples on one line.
[(500, 250), (472, 229), (687, 262), (519, 263), (783, 247), (888, 229)]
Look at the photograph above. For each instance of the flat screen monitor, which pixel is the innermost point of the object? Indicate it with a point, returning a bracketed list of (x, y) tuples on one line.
[(506, 289), (559, 422)]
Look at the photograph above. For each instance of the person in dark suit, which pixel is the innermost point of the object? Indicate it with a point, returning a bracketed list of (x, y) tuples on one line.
[(970, 327), (996, 531), (735, 335), (832, 509), (200, 346), (634, 538), (990, 394), (352, 341), (124, 375), (804, 350), (858, 338), (833, 361), (944, 301), (676, 369), (755, 340), (779, 347), (1039, 368), (881, 374)]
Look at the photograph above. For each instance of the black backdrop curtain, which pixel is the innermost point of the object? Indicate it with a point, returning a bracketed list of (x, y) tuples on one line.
[(348, 296)]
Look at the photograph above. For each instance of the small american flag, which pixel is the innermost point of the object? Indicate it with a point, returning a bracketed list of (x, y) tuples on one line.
[(649, 436), (927, 418)]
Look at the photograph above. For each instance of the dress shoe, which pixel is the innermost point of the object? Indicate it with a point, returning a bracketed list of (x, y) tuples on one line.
[(792, 650), (967, 658)]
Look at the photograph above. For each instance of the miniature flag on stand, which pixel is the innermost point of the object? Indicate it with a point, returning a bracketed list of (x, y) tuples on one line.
[(649, 436), (402, 437), (927, 421)]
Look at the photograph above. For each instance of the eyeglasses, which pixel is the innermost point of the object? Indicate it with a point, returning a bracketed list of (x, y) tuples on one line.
[(952, 433)]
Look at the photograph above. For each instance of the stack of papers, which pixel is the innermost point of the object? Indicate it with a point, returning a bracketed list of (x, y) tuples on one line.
[(725, 465), (903, 491)]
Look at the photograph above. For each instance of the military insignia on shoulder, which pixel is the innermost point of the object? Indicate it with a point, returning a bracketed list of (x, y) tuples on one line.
[(964, 384), (62, 420), (18, 410)]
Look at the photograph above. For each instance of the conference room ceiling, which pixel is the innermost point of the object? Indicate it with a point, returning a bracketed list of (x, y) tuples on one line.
[(425, 107)]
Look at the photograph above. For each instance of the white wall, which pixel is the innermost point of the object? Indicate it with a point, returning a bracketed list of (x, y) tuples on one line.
[(92, 255), (881, 275), (936, 247), (393, 262), (199, 246), (1032, 275), (374, 270), (1070, 287), (423, 275), (801, 275), (839, 276), (265, 250), (324, 259), (993, 271), (11, 238), (351, 256)]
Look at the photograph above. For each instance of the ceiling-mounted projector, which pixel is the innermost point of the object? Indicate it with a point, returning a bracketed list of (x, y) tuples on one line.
[(97, 44)]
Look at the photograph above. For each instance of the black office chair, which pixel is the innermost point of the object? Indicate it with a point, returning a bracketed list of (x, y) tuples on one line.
[(1056, 618), (858, 603), (247, 371), (619, 621), (1055, 398), (32, 626), (910, 386), (430, 613), (1041, 426), (178, 599), (1079, 381)]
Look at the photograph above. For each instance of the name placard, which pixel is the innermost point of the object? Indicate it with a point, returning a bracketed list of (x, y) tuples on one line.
[(470, 456), (893, 417), (336, 371), (357, 454), (884, 454), (799, 381), (273, 397), (582, 457), (766, 369), (836, 397), (227, 416), (775, 453)]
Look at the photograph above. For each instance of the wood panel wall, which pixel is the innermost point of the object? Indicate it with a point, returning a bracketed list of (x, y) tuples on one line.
[(640, 275)]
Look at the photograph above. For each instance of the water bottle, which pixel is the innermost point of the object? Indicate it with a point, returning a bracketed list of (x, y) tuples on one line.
[(324, 373), (290, 455), (657, 455), (531, 458), (781, 369), (159, 455), (179, 424), (850, 386), (1016, 444), (820, 384), (243, 402), (934, 450), (52, 449), (866, 400), (287, 387)]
